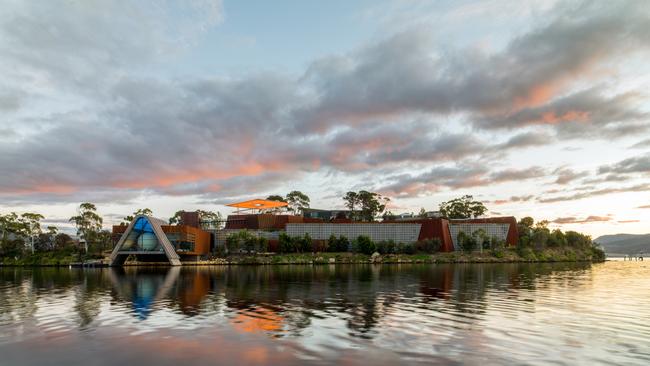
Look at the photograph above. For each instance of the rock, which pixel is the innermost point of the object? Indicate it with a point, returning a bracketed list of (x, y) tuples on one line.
[(375, 257)]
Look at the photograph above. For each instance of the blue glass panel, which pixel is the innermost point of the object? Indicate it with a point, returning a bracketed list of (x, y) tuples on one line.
[(143, 225)]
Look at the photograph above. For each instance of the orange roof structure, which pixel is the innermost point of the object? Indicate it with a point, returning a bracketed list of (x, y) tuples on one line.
[(258, 204)]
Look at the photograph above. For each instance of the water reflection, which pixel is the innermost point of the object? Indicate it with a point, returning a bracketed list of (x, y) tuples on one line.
[(413, 313)]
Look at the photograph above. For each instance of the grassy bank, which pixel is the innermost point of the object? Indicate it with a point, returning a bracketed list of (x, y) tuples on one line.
[(499, 256), (489, 256), (46, 259)]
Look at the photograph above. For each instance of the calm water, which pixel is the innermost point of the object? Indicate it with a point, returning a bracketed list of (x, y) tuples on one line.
[(364, 314)]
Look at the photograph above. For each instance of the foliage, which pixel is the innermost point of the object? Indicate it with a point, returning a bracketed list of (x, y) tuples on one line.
[(275, 197), (405, 248), (141, 211), (365, 245), (386, 247), (288, 244), (462, 208), (423, 213), (364, 205), (388, 216), (428, 246), (207, 219), (467, 242), (88, 223), (244, 241), (297, 201), (340, 244)]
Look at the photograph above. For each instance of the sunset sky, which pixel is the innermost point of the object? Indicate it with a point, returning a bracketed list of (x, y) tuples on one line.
[(538, 109)]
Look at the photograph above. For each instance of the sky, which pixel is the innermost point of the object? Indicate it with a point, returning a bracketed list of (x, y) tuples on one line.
[(537, 109)]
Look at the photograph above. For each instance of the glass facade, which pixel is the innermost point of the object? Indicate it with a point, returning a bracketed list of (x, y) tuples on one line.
[(142, 238)]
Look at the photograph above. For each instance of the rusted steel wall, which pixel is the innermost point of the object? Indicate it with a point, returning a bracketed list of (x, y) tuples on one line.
[(201, 238), (430, 229)]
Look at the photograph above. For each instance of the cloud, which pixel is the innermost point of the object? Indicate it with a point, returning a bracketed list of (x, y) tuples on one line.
[(641, 144), (644, 206), (594, 193), (108, 125), (574, 220), (407, 185), (513, 199), (566, 175), (640, 164), (534, 75), (628, 221)]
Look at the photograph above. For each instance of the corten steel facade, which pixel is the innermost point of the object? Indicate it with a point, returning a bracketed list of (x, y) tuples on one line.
[(431, 229), (262, 221), (151, 239)]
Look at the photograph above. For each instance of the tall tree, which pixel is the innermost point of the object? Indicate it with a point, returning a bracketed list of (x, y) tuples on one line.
[(141, 211), (462, 208), (207, 219), (423, 213), (31, 226), (275, 197), (210, 219), (297, 201), (351, 200), (176, 218), (88, 223), (365, 205)]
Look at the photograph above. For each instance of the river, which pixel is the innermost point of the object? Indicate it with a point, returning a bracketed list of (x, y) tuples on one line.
[(560, 313)]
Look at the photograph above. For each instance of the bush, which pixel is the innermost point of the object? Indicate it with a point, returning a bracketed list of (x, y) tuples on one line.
[(286, 244), (304, 244), (466, 242), (496, 243), (340, 244), (405, 248), (365, 245), (597, 254), (386, 247), (428, 246)]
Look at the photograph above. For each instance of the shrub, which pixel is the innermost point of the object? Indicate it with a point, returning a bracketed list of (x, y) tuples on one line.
[(386, 247), (262, 245), (597, 254), (405, 248), (286, 244), (304, 244), (428, 246), (496, 243), (466, 242), (365, 245), (332, 243)]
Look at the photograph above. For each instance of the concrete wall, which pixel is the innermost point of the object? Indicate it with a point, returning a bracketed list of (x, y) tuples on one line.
[(399, 233)]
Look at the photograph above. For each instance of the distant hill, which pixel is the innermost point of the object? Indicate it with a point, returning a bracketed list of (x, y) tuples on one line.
[(625, 243)]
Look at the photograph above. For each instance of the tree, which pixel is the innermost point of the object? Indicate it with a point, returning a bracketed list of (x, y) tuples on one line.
[(210, 220), (389, 216), (462, 208), (297, 201), (176, 219), (423, 213), (275, 197), (141, 211), (370, 204), (351, 200), (88, 223)]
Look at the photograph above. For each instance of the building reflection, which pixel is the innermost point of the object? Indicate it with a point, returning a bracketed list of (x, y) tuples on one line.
[(285, 300)]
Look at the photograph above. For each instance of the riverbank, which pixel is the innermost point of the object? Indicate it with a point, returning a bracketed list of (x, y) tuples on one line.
[(565, 254)]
